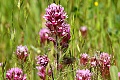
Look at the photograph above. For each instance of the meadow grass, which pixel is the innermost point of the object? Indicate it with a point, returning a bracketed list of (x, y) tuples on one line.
[(21, 21)]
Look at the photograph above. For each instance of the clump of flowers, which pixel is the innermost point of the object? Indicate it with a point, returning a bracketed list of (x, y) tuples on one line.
[(15, 74), (57, 28), (57, 31), (104, 63), (83, 74), (22, 52), (84, 59), (42, 60)]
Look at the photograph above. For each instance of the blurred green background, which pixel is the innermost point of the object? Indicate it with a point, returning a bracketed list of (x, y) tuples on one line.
[(21, 21)]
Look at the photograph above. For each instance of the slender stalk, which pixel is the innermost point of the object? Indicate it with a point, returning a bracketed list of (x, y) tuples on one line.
[(57, 52), (59, 1), (3, 70), (22, 65), (52, 72), (53, 1), (72, 70)]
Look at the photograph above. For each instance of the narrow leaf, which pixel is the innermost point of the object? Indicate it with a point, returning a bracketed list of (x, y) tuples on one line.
[(114, 73)]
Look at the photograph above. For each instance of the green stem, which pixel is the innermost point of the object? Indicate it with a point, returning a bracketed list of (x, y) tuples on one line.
[(52, 72)]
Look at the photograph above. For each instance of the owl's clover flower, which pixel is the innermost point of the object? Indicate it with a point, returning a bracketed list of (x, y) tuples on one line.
[(83, 74), (94, 62), (44, 34), (84, 59), (15, 74), (22, 52), (41, 72), (55, 16), (42, 60), (64, 32), (83, 31), (104, 63), (105, 59)]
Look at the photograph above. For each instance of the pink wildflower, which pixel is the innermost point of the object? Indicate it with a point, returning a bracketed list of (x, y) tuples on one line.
[(94, 62), (42, 60), (84, 59), (104, 63), (44, 34), (55, 16), (83, 75), (41, 72), (22, 52), (83, 31), (15, 74)]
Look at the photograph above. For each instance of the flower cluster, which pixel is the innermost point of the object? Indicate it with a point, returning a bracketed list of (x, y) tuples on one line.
[(42, 62), (22, 52), (55, 16), (101, 61), (84, 59), (15, 74), (64, 33), (83, 75), (41, 72), (56, 26), (105, 60), (44, 34), (94, 62), (104, 63)]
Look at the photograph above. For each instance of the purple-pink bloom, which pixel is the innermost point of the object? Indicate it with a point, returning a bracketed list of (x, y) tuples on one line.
[(15, 74), (1, 64), (64, 33), (49, 72), (42, 60), (83, 31), (104, 63), (84, 59), (105, 59), (55, 16), (22, 52), (44, 34), (55, 21), (94, 62), (83, 74), (119, 75), (41, 72)]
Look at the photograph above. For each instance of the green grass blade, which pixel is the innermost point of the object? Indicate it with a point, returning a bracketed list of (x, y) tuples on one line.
[(114, 73)]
